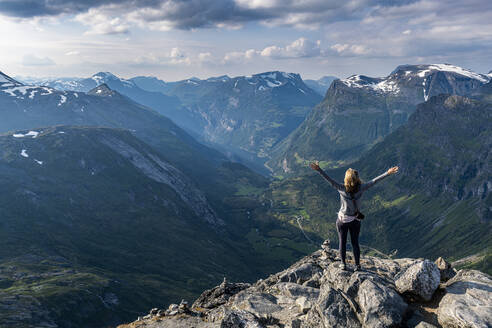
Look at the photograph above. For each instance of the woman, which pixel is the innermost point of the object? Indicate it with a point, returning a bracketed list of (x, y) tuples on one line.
[(350, 194)]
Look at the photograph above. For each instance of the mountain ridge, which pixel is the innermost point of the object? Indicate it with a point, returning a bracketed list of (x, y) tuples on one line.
[(360, 111)]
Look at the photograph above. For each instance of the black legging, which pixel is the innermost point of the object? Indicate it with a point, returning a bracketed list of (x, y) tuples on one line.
[(354, 228)]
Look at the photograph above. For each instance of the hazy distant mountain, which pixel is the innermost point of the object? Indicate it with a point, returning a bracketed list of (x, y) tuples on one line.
[(27, 107), (166, 105), (321, 85), (246, 116), (359, 111), (151, 83)]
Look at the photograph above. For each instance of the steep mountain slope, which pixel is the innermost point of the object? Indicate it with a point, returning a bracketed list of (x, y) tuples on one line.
[(438, 204), (96, 224), (321, 85), (360, 111)]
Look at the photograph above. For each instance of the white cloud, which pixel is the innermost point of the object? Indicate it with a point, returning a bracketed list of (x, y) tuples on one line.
[(301, 47), (72, 53), (350, 49), (99, 22), (205, 58), (240, 56), (34, 60)]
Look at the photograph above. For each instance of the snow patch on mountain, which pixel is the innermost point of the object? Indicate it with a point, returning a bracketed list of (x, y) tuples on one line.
[(376, 84), (48, 91), (63, 99), (32, 134), (20, 89), (24, 153), (454, 69)]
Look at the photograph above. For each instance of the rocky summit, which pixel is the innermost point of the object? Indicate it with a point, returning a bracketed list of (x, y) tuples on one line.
[(317, 292)]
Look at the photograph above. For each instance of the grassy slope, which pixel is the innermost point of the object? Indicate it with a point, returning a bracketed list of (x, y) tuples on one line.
[(86, 226)]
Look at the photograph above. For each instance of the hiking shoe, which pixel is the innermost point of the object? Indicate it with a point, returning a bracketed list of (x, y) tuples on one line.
[(358, 268)]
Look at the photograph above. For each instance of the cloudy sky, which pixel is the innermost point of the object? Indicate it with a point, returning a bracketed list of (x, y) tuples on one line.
[(177, 39)]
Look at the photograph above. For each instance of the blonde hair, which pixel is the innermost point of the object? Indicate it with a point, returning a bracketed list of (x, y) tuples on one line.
[(352, 181)]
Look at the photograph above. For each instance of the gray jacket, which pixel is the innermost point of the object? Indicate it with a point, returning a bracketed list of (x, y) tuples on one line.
[(346, 204)]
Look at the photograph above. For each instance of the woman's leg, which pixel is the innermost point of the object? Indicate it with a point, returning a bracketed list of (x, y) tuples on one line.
[(354, 229), (342, 229)]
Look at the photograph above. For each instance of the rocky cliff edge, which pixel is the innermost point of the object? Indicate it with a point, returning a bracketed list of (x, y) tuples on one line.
[(316, 292)]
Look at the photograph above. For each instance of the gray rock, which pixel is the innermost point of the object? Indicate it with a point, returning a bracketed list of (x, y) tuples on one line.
[(417, 320), (300, 274), (304, 304), (381, 306), (240, 319), (420, 279), (423, 324), (343, 299), (219, 295), (467, 302), (331, 310), (293, 290), (261, 304), (447, 272)]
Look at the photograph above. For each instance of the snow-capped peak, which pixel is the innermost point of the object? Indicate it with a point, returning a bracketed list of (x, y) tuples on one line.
[(402, 73), (105, 77)]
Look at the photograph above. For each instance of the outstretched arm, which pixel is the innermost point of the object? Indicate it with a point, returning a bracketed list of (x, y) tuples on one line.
[(335, 184), (371, 183)]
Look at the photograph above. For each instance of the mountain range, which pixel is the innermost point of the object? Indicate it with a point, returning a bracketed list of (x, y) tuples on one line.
[(360, 111), (105, 197), (243, 116)]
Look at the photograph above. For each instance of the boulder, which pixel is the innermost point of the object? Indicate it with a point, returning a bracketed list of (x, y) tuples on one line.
[(447, 272), (331, 310), (304, 304), (380, 305), (420, 279), (467, 302), (260, 304), (219, 295), (293, 290), (240, 319), (300, 274)]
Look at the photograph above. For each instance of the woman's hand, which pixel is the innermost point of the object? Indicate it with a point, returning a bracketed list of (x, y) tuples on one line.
[(393, 170), (315, 166)]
